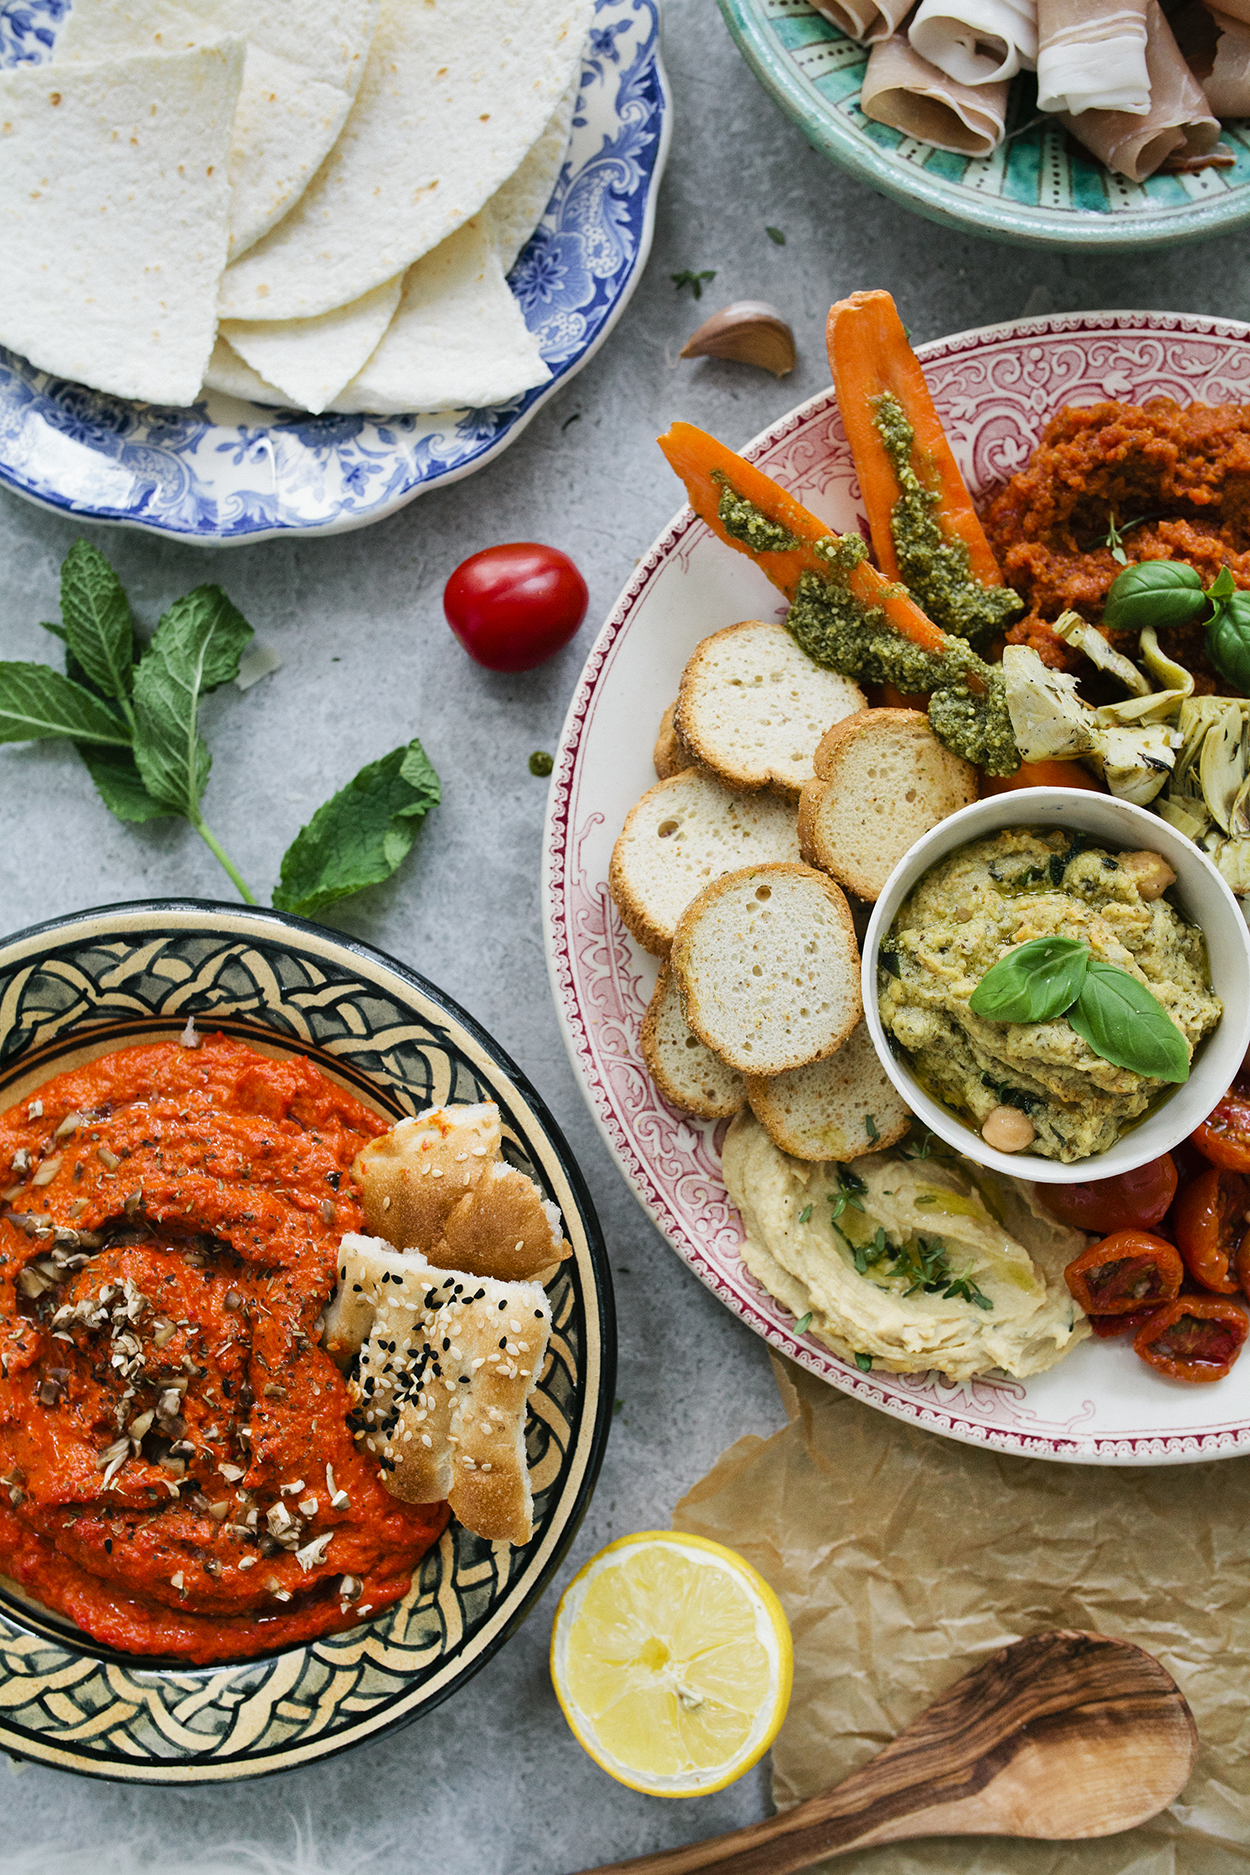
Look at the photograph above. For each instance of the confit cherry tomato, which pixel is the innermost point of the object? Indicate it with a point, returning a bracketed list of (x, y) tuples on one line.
[(1224, 1136), (1209, 1224), (1125, 1272), (1133, 1201), (1107, 1325), (1195, 1338), (514, 607)]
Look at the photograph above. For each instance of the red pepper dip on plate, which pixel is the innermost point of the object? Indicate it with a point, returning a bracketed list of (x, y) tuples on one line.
[(178, 1473)]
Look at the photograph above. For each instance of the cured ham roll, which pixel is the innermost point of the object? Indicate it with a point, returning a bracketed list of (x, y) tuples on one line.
[(1091, 56), (1216, 44), (903, 90), (1179, 120), (976, 42), (866, 20)]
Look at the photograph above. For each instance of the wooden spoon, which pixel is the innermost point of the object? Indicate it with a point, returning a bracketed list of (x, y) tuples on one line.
[(1060, 1736)]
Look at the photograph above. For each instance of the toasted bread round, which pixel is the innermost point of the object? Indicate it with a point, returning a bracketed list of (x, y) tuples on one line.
[(769, 968), (669, 757), (684, 833), (752, 707), (882, 780), (838, 1108), (684, 1069)]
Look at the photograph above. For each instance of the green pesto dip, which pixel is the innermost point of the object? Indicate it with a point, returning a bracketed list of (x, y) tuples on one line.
[(837, 630), (936, 570)]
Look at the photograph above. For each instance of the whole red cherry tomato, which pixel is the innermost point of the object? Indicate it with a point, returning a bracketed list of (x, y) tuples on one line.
[(514, 607), (1194, 1338), (1209, 1224), (1133, 1201), (1126, 1271), (1224, 1136)]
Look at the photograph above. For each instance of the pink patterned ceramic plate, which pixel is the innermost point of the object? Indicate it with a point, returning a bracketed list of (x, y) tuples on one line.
[(995, 389)]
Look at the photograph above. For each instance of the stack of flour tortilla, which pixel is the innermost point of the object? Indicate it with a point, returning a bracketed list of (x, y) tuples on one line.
[(308, 203)]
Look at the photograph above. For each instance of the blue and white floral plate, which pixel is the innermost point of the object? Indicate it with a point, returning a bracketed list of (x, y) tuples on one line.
[(226, 472), (1038, 189)]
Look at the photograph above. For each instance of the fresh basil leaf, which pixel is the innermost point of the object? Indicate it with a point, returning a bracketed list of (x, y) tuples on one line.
[(197, 646), (119, 783), (1154, 592), (1127, 1026), (99, 629), (36, 701), (1033, 983), (360, 836), (1228, 639)]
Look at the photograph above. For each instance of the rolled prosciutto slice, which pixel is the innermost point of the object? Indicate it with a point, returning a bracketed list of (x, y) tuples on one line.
[(976, 42), (1091, 56), (867, 20), (1178, 122), (903, 90), (1216, 44)]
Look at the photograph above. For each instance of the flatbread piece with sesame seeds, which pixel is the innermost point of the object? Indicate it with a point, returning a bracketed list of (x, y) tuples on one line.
[(441, 1365), (437, 1184)]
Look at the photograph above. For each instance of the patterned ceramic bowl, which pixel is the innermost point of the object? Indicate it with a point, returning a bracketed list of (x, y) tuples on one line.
[(99, 980), (226, 472), (1039, 188)]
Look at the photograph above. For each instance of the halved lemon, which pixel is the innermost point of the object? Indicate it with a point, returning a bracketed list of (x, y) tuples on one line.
[(672, 1662)]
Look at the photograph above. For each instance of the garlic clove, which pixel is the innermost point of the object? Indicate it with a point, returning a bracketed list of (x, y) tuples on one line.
[(750, 332)]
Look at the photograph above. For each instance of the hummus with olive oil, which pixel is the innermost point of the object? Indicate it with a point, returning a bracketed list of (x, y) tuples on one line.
[(905, 1264), (982, 902)]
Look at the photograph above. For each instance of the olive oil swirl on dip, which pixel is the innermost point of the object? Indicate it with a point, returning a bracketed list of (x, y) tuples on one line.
[(982, 902)]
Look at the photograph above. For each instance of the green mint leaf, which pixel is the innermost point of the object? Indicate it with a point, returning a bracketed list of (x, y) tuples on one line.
[(197, 646), (58, 631), (803, 1324), (1127, 1026), (1154, 592), (36, 702), (776, 236), (119, 783), (1033, 983), (99, 629), (864, 1363), (360, 836)]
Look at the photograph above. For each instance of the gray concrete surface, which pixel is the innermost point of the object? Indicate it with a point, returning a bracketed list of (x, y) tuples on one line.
[(494, 1784)]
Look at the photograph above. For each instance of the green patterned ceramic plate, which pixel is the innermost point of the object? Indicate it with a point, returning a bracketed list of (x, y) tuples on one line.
[(1038, 189), (75, 988)]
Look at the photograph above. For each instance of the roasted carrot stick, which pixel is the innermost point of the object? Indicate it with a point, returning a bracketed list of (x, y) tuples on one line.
[(870, 356), (705, 466)]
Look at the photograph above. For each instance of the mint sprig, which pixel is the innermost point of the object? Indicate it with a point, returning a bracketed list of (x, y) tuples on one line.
[(132, 713), (1116, 1015)]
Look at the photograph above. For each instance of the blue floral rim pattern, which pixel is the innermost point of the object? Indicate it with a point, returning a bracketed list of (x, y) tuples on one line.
[(1038, 189), (224, 472)]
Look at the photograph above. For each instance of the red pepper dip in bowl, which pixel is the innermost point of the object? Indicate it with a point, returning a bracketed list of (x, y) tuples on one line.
[(178, 1468)]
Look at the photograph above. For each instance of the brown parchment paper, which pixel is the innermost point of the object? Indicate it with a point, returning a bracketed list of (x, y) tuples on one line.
[(903, 1559)]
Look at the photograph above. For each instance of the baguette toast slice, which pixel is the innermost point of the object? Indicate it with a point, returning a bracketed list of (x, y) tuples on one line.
[(823, 1111), (769, 968), (681, 835), (669, 756), (684, 1069), (752, 707), (882, 780)]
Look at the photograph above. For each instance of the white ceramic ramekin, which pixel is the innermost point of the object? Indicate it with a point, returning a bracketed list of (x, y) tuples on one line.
[(1201, 894)]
